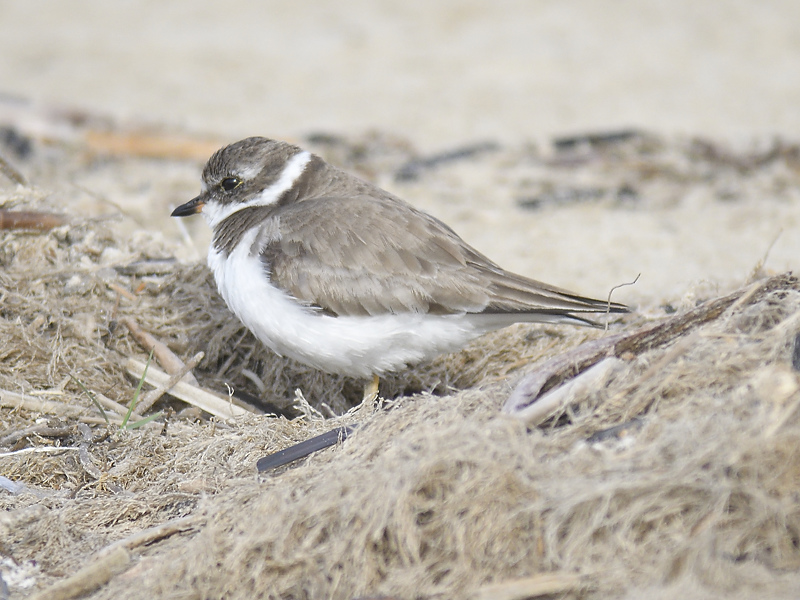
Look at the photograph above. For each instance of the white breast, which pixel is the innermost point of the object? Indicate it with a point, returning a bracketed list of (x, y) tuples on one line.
[(354, 346)]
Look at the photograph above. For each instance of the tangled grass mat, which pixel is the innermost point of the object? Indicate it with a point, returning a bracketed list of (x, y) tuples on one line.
[(675, 477)]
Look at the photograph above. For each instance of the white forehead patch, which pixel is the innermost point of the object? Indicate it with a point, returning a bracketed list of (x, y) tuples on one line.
[(215, 213)]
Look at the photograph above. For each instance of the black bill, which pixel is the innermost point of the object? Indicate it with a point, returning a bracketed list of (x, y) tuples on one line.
[(192, 207)]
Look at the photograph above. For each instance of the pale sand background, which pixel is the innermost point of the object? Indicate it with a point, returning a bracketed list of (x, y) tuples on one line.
[(446, 73)]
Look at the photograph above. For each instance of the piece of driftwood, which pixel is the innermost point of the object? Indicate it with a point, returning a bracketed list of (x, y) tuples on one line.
[(594, 377), (570, 364), (102, 134), (32, 220), (150, 144)]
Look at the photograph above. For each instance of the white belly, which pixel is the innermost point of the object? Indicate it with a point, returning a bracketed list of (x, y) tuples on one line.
[(354, 346)]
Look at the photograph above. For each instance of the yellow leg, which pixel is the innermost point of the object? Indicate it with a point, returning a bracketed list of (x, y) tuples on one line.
[(371, 389)]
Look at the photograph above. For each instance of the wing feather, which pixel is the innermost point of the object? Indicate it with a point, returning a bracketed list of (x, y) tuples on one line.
[(381, 256)]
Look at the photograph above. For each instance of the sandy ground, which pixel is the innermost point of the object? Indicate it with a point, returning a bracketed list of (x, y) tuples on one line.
[(441, 74)]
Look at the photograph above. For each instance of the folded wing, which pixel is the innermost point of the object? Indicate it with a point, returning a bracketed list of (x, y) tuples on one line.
[(387, 257)]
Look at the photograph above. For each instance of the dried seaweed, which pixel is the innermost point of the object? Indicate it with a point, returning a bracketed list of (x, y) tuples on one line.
[(436, 494)]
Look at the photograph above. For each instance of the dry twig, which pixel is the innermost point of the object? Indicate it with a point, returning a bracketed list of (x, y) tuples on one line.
[(165, 357), (40, 430), (12, 173), (116, 407), (153, 395), (30, 403), (194, 395)]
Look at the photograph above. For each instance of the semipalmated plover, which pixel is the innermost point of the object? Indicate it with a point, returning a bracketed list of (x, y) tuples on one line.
[(341, 275)]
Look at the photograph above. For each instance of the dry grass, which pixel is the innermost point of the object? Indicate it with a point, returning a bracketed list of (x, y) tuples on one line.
[(433, 496)]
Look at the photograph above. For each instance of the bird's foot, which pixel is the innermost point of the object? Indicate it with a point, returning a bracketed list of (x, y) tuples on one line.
[(371, 390)]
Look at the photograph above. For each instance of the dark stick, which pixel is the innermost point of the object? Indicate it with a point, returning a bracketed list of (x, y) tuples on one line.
[(303, 449)]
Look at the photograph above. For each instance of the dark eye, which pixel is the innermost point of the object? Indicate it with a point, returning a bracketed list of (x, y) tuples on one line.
[(230, 183)]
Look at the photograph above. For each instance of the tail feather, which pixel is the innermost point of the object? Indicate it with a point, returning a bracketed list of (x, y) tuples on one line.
[(514, 294)]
